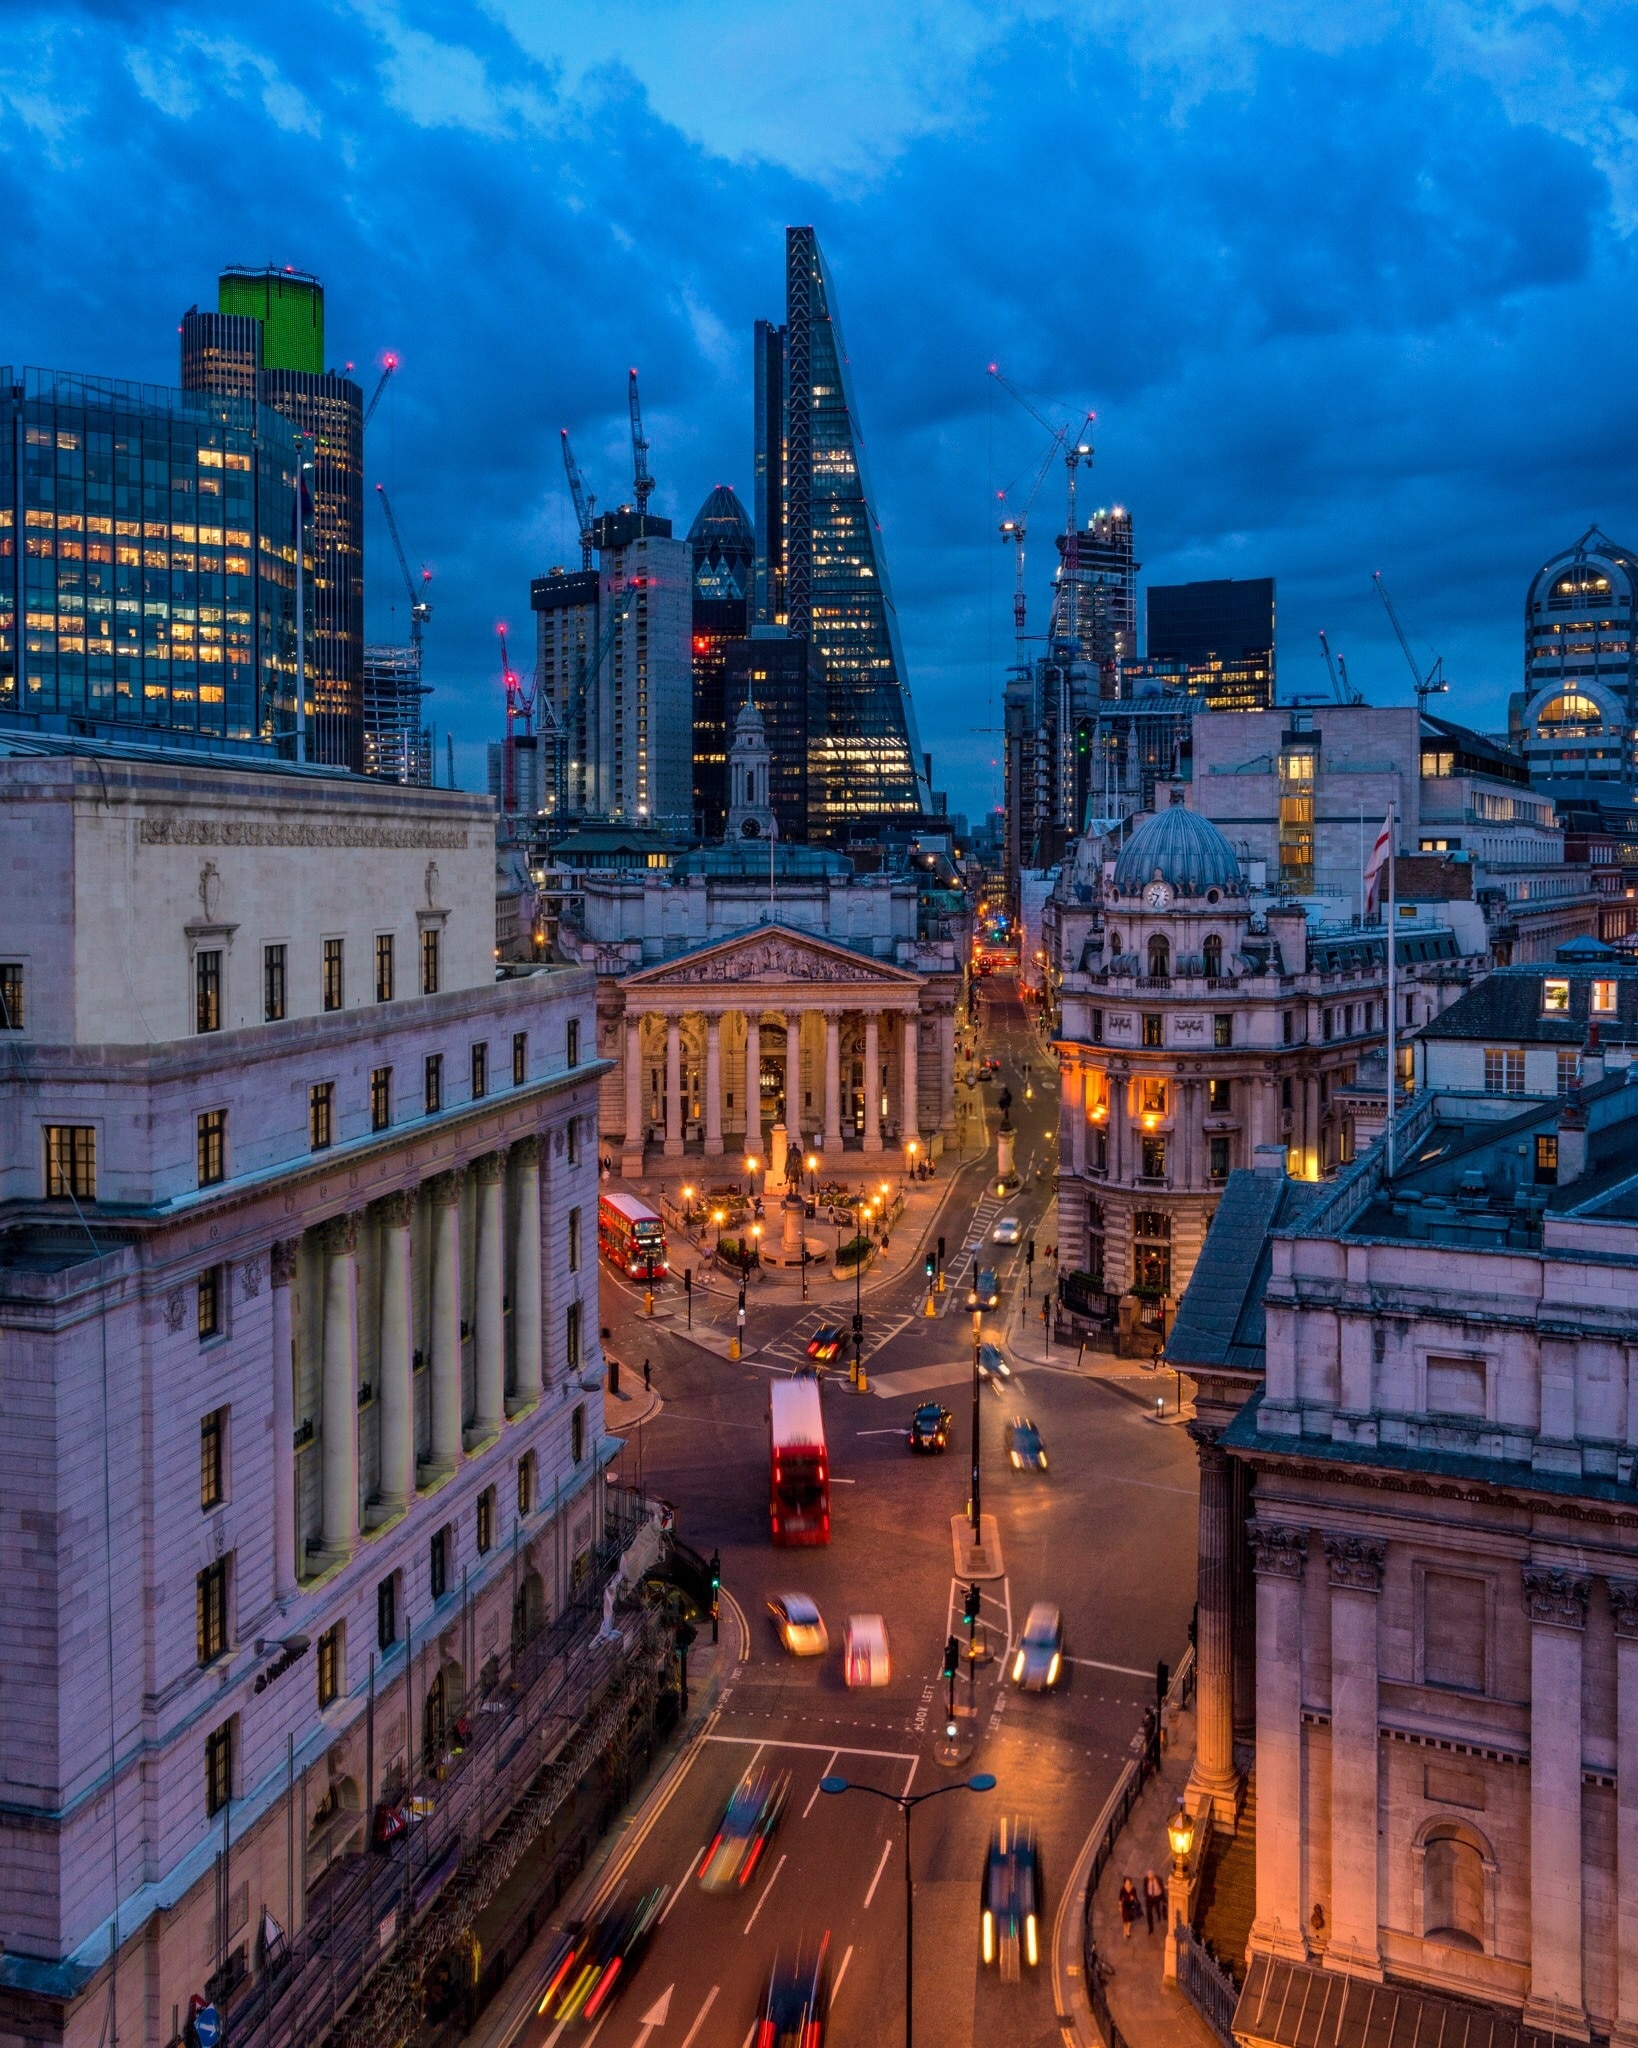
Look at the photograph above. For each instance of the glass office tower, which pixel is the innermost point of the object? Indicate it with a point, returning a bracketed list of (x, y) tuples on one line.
[(147, 545), (724, 547)]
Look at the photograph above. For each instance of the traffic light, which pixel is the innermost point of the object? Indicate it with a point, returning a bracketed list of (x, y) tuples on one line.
[(688, 1279), (858, 1324), (1029, 1252), (941, 1251), (952, 1657), (931, 1264), (716, 1575), (970, 1611)]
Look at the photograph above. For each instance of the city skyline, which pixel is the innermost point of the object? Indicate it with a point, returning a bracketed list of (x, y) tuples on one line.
[(1371, 351)]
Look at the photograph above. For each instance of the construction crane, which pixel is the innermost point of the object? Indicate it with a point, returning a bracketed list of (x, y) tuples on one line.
[(585, 505), (388, 365), (642, 483), (1014, 528), (1341, 689), (420, 604), (520, 724), (1432, 684)]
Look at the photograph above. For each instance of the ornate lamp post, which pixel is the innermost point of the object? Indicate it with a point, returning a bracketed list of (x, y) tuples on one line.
[(1180, 1835)]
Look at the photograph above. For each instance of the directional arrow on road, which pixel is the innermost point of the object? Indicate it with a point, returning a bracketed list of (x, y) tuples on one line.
[(656, 2014)]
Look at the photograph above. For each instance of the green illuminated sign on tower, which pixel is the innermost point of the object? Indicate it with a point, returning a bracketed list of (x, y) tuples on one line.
[(290, 306)]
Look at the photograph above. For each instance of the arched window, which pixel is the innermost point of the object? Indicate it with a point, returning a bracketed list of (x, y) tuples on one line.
[(1571, 712), (1453, 1890), (1212, 953), (1160, 959)]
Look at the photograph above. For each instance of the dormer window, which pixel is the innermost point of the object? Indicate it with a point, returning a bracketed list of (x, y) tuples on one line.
[(1604, 999), (1555, 998)]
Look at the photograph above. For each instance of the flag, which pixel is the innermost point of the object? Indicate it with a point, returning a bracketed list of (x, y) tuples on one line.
[(1377, 862)]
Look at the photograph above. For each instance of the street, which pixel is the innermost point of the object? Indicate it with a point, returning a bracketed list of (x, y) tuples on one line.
[(1107, 1534)]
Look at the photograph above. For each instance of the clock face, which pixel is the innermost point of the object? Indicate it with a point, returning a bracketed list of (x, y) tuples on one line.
[(1157, 895)]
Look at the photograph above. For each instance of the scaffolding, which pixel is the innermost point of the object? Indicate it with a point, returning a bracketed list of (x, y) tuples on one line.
[(397, 744)]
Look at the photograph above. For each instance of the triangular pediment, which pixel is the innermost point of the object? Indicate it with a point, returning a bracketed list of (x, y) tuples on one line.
[(771, 953)]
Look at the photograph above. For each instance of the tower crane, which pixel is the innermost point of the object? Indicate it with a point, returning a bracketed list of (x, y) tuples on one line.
[(585, 505), (388, 365), (642, 482), (1341, 689), (420, 604), (1014, 527), (1432, 684)]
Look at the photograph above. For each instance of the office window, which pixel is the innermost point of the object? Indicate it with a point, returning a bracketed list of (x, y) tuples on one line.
[(574, 1240), (1152, 1098), (11, 995), (429, 962), (218, 1767), (486, 1521), (1220, 1097), (1219, 1158), (1222, 1031), (1503, 1071), (438, 1564), (210, 1611), (207, 991), (1151, 1028), (386, 1612), (572, 1050), (520, 1058), (480, 1072), (329, 1666), (574, 1140), (383, 967), (1555, 998), (571, 1336), (213, 1459), (321, 1108), (274, 994), (526, 1484), (1603, 1002), (433, 1087), (209, 1317), (380, 1098), (71, 1162), (333, 985), (577, 1433), (1154, 1159), (210, 1147)]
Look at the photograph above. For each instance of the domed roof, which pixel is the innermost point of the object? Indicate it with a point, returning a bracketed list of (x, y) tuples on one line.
[(1182, 848)]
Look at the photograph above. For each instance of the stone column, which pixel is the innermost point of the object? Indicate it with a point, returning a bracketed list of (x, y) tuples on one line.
[(1072, 1119), (910, 1079), (793, 1079), (1310, 1126), (673, 1088), (528, 1356), (713, 1087), (873, 1083), (488, 1300), (1214, 1783), (339, 1522), (1624, 1608), (1356, 1582), (395, 1370), (833, 1082), (1242, 1605), (632, 1150), (282, 1269), (753, 1085), (444, 1320), (1281, 1553), (1556, 1603)]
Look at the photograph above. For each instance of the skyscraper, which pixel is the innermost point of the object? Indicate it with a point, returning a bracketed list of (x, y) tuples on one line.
[(1094, 612), (1214, 639), (724, 548), (1580, 713), (269, 330), (781, 673), (818, 531)]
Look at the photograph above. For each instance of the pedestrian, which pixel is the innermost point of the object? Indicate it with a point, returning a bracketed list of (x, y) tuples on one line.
[(1131, 1907), (1154, 1901), (646, 1380)]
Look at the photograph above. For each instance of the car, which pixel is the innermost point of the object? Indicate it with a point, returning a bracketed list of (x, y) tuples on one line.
[(795, 2008), (930, 1427), (749, 1823), (993, 1368), (985, 1291), (864, 1651), (1039, 1658), (1025, 1450), (596, 1959), (1008, 1230), (800, 1624), (1010, 1929), (825, 1343)]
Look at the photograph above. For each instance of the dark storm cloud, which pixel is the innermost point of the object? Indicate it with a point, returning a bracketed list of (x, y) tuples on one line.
[(1338, 308)]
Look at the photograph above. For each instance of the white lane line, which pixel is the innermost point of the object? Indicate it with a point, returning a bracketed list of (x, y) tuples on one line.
[(710, 2000), (1125, 1670), (897, 1756), (592, 2036), (751, 2036), (840, 1974), (892, 1432), (818, 1788), (887, 1850), (910, 1777), (693, 1864), (768, 1887)]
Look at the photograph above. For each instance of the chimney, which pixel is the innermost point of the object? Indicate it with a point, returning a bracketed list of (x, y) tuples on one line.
[(1592, 1056), (1572, 1139), (1269, 1159)]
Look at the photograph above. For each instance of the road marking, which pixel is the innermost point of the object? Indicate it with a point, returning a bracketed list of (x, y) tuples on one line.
[(897, 1756), (882, 1432), (592, 2036), (768, 1887), (751, 2036), (710, 2000), (635, 1840), (818, 1788), (1125, 1670), (840, 1974), (678, 1891), (656, 2016), (887, 1850)]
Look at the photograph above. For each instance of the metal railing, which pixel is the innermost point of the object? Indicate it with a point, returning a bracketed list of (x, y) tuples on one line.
[(1207, 1985)]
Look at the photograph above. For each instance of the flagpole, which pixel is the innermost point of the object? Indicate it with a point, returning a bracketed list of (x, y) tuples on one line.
[(1393, 914)]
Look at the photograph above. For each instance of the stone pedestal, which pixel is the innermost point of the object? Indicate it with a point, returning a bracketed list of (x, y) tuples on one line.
[(790, 1243), (1005, 1170), (778, 1145)]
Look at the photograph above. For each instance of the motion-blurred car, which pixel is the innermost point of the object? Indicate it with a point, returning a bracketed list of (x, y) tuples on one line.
[(1039, 1658), (993, 1369), (795, 2009), (930, 1427), (1011, 1923), (864, 1651), (747, 1827), (1008, 1230), (986, 1290), (800, 1624), (825, 1343), (1024, 1446), (597, 1959)]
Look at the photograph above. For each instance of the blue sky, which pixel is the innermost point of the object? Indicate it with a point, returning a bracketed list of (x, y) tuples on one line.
[(1350, 287)]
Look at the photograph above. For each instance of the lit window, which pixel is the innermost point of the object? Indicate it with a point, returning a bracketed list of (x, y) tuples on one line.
[(11, 995), (429, 962), (213, 1459), (71, 1162), (1555, 998), (330, 1670), (210, 1147), (209, 1318), (273, 983), (1604, 999), (211, 1611), (219, 1768), (480, 1072), (434, 1084), (380, 1098), (207, 991), (333, 984), (321, 1104), (383, 967)]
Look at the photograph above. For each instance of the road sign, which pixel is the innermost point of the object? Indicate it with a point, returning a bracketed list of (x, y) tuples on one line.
[(207, 2023)]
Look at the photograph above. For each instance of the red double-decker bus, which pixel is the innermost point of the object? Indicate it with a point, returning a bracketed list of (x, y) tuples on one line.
[(631, 1236), (799, 1479)]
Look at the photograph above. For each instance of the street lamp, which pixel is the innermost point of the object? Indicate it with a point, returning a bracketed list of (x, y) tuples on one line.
[(860, 1222), (977, 1308), (688, 1204), (812, 1164), (751, 1165), (982, 1781), (719, 1217), (1180, 1835), (911, 1148)]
